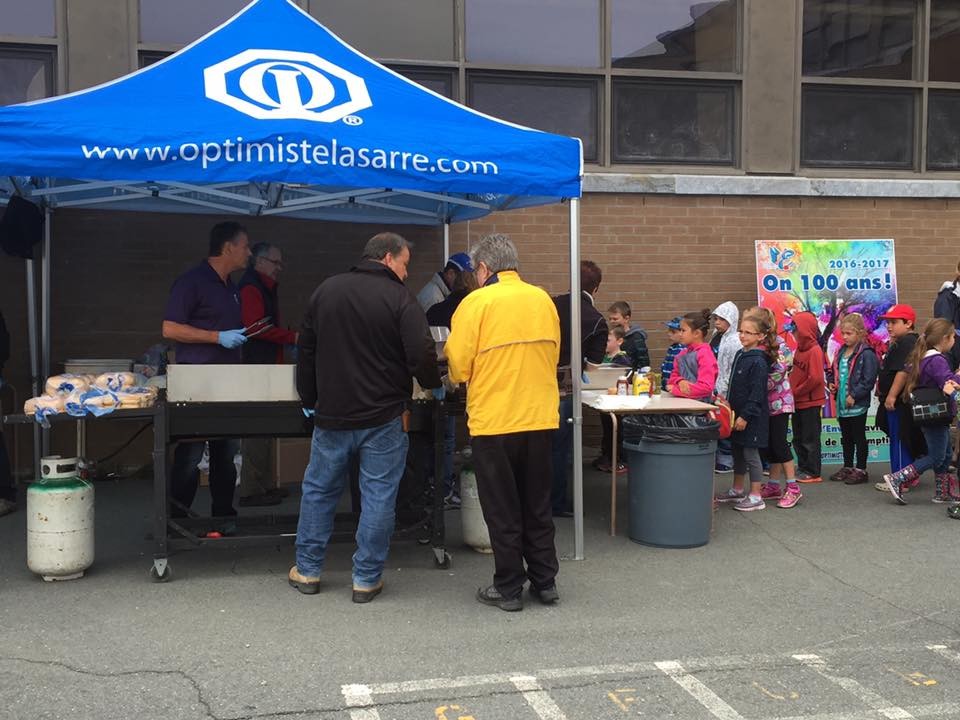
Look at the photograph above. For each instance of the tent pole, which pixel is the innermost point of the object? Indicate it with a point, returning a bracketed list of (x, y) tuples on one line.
[(45, 311), (34, 360), (446, 242), (576, 363)]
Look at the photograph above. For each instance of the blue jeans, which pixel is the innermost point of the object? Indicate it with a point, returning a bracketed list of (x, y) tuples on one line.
[(383, 454), (938, 450), (562, 447)]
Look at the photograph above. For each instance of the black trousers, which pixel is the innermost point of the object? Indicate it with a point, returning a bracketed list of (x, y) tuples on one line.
[(514, 480), (806, 440), (8, 490), (184, 475), (853, 437)]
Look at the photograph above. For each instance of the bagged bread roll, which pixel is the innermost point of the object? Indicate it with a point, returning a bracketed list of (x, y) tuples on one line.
[(66, 384), (48, 403), (139, 397), (116, 381)]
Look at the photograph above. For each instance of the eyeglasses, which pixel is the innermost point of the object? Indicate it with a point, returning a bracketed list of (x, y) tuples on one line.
[(278, 263), (747, 332)]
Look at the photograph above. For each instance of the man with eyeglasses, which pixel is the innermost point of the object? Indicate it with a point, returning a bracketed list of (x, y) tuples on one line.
[(258, 300)]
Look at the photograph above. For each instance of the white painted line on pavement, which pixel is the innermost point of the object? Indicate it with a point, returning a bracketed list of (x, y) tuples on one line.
[(863, 694), (700, 692), (537, 698), (360, 698), (945, 652), (410, 686)]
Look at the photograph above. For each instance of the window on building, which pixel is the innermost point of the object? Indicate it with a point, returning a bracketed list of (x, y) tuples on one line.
[(567, 106), (673, 122), (852, 126), (407, 30), (671, 35), (945, 41), (26, 73), (860, 38), (943, 131), (440, 80), (149, 57), (28, 18), (515, 32), (178, 22)]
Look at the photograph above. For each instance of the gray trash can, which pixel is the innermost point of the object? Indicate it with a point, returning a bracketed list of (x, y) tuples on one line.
[(671, 492)]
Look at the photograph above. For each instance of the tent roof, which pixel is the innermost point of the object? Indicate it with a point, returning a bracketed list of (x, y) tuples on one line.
[(271, 113)]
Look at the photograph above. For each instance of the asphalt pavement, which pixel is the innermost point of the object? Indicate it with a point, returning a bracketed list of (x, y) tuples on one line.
[(843, 607)]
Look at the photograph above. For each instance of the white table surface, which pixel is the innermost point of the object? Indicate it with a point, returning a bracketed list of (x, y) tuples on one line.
[(641, 404)]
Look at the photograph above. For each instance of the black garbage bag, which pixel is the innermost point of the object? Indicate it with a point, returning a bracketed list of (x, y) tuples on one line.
[(670, 428)]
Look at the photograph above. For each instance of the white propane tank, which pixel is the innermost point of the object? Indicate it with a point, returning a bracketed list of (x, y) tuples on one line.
[(59, 521), (475, 533)]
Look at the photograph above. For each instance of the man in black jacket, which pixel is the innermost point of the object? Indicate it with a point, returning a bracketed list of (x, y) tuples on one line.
[(363, 339), (8, 491)]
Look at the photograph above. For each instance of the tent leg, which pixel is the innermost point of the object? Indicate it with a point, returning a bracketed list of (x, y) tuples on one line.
[(45, 312), (446, 242), (34, 359), (576, 353)]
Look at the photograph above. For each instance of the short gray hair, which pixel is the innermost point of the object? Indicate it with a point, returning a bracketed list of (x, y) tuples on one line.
[(497, 252), (383, 244), (261, 249)]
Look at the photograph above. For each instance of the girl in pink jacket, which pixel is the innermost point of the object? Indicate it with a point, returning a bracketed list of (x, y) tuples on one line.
[(695, 368)]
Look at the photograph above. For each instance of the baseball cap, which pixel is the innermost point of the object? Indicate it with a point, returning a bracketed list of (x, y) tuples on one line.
[(900, 312), (673, 323), (461, 261)]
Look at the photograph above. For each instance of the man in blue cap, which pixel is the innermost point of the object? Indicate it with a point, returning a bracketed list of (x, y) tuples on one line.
[(441, 284)]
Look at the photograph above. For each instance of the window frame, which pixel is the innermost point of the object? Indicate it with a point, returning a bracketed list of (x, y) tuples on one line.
[(920, 83), (54, 47)]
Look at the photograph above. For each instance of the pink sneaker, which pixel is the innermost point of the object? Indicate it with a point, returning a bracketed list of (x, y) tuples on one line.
[(790, 498), (770, 490)]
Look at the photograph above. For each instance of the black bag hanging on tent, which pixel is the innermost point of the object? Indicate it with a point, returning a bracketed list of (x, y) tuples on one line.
[(930, 406), (21, 227)]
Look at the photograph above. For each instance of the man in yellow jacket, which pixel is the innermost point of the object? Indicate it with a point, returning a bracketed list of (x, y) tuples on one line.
[(504, 342)]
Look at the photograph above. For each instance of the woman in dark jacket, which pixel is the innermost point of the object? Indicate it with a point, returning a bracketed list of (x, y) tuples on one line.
[(747, 395)]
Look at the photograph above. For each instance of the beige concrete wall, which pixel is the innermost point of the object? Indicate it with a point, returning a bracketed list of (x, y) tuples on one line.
[(98, 42)]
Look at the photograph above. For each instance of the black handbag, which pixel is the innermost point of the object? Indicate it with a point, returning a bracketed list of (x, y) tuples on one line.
[(930, 406)]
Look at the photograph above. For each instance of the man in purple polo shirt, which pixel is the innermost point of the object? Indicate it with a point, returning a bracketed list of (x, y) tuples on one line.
[(203, 318)]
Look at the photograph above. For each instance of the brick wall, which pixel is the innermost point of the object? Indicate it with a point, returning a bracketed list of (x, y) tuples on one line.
[(664, 254), (667, 255)]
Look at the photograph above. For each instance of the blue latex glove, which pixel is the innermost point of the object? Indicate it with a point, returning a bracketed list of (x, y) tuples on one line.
[(439, 393), (308, 412), (231, 339)]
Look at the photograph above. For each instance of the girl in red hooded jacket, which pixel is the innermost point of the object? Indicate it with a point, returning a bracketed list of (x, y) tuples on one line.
[(809, 394)]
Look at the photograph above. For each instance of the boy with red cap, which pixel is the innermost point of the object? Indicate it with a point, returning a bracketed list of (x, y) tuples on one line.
[(893, 416)]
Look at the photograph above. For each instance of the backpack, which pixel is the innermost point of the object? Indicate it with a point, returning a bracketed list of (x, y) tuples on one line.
[(724, 415)]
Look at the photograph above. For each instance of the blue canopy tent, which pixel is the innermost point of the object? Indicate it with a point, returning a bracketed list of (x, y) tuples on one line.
[(272, 114)]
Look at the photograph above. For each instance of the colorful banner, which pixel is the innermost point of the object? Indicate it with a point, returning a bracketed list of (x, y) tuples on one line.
[(832, 278)]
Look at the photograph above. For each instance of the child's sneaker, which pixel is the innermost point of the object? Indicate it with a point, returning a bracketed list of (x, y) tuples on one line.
[(790, 498), (731, 495), (954, 512), (749, 504), (857, 477), (841, 474), (770, 490), (722, 469), (805, 477), (893, 483)]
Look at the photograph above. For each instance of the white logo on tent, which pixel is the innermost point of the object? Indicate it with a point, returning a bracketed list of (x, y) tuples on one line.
[(300, 86)]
